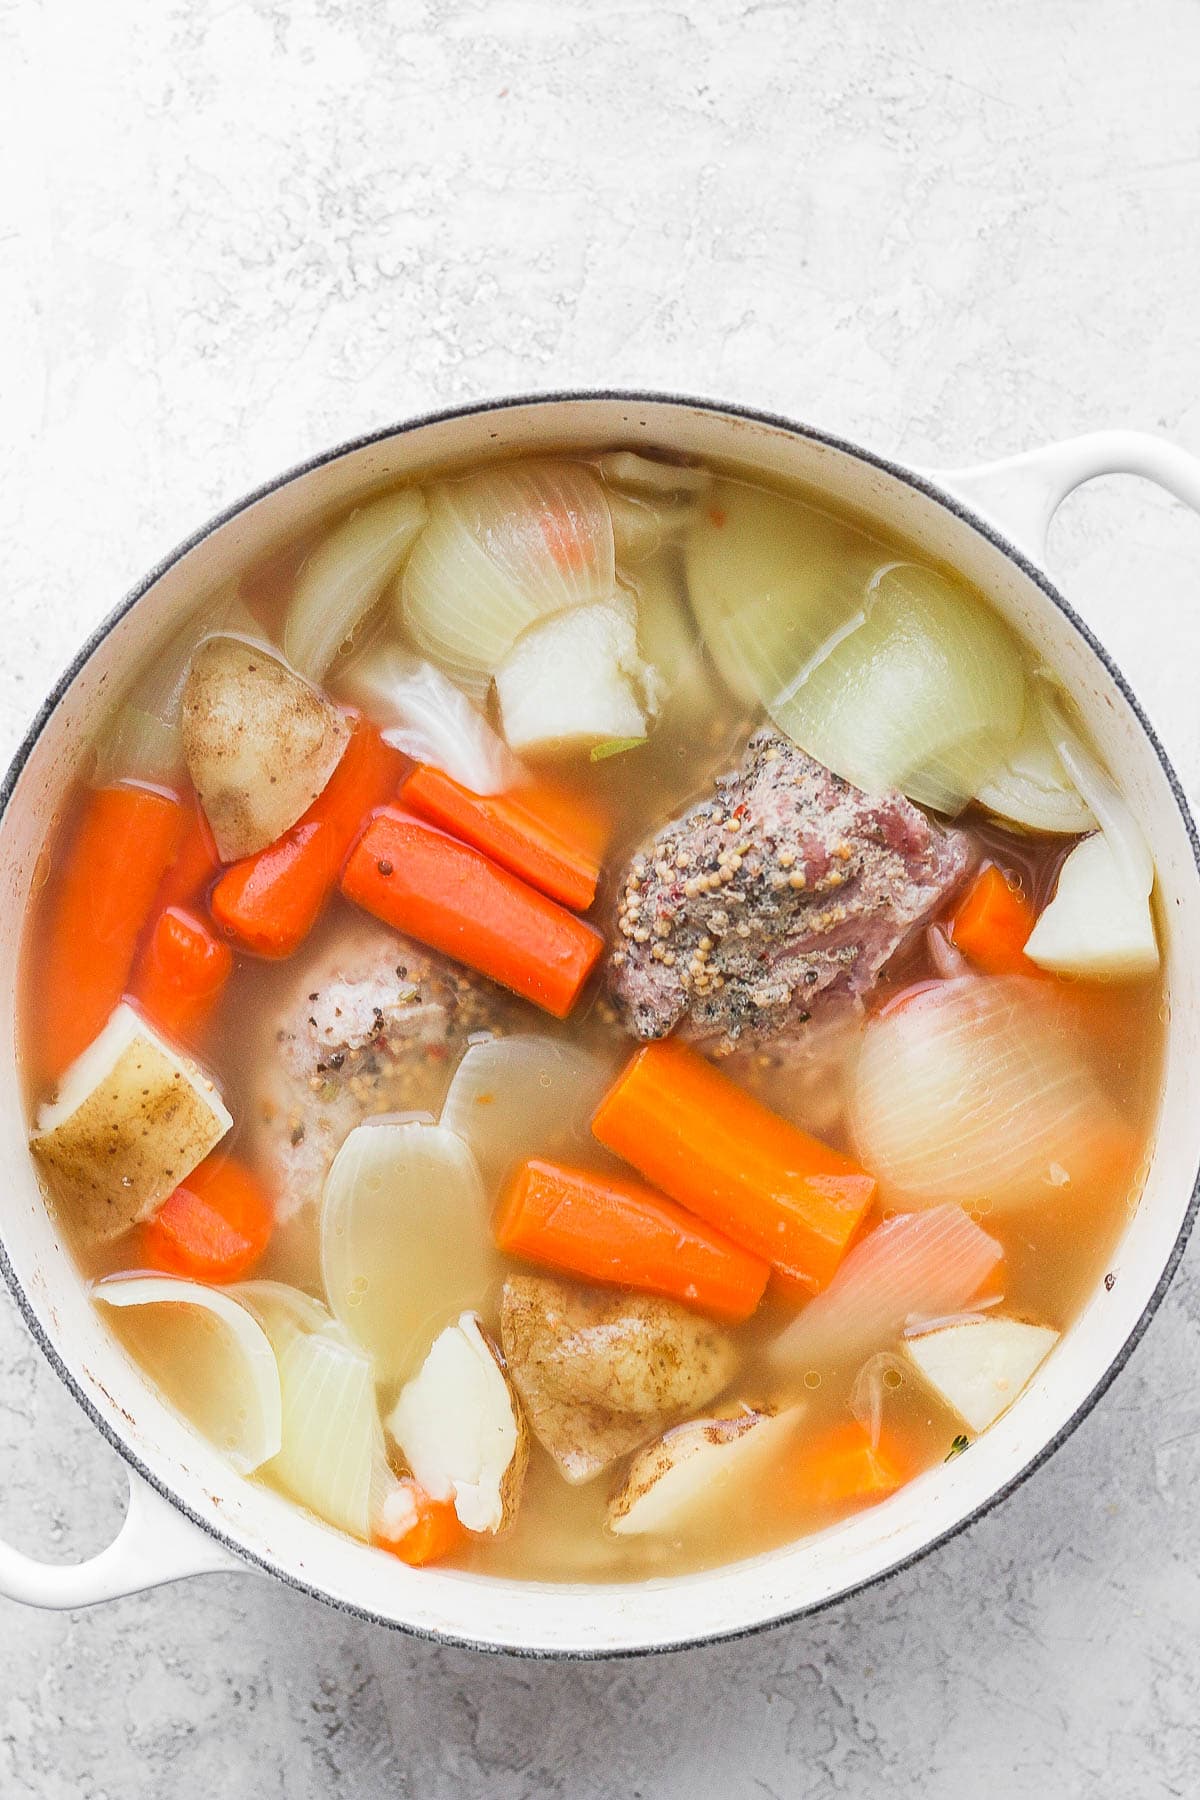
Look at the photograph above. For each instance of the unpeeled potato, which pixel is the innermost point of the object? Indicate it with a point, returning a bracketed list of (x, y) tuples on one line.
[(599, 1373), (132, 1119), (259, 741)]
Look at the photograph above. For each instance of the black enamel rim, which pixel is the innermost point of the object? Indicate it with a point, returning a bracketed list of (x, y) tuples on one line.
[(908, 478)]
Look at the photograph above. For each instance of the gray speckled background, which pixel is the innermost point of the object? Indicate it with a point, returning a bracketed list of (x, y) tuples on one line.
[(231, 233)]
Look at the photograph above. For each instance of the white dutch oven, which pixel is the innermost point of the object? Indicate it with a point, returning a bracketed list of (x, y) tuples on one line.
[(188, 1514)]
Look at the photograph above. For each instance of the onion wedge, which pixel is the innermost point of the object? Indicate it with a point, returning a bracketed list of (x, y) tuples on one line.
[(423, 714), (515, 1097), (976, 1090), (924, 693), (344, 578), (929, 1263), (332, 1457), (404, 1237), (502, 548), (210, 1357)]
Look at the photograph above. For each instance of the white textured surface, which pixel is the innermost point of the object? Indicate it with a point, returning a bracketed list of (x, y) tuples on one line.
[(231, 234)]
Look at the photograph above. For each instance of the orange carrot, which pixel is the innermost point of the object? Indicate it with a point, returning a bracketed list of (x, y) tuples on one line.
[(214, 1227), (447, 895), (195, 867), (271, 901), (767, 1185), (993, 924), (110, 873), (843, 1469), (434, 1532), (617, 1231), (181, 974), (507, 828)]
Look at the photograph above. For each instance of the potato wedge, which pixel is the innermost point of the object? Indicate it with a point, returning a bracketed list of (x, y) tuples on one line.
[(131, 1119), (693, 1468), (260, 743), (980, 1366), (600, 1373), (460, 1426)]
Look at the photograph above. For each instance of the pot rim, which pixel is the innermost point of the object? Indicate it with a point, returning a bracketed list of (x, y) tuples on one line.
[(907, 476)]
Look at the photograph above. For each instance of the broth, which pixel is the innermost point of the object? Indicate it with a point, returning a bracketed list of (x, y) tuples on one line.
[(1055, 1247)]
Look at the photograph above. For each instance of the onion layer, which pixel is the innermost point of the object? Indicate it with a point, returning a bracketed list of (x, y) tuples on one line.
[(926, 693), (770, 581), (917, 1263), (500, 549), (345, 576), (428, 718), (211, 1358), (332, 1458), (1032, 789), (521, 1096), (974, 1091), (404, 1238)]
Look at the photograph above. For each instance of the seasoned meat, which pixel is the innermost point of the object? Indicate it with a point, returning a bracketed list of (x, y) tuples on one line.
[(375, 1025), (601, 1373), (777, 901)]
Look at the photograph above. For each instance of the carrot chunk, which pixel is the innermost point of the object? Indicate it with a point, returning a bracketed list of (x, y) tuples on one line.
[(512, 830), (111, 871), (449, 896), (844, 1469), (214, 1227), (194, 867), (181, 975), (270, 901), (993, 924), (617, 1231), (426, 1532), (708, 1144)]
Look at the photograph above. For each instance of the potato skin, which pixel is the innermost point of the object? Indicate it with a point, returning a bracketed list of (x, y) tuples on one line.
[(260, 743), (599, 1373), (695, 1466), (513, 1484), (141, 1131)]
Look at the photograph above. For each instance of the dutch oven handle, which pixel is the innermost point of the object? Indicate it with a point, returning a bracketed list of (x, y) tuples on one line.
[(1021, 494), (155, 1545)]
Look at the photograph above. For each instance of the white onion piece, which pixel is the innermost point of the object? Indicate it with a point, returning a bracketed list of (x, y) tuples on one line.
[(332, 1458), (500, 549), (926, 694), (286, 1312), (925, 1262), (871, 1388), (1113, 816), (975, 1091), (212, 1359), (523, 1096), (646, 475), (1032, 789), (404, 1238), (345, 576), (771, 580), (423, 714)]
